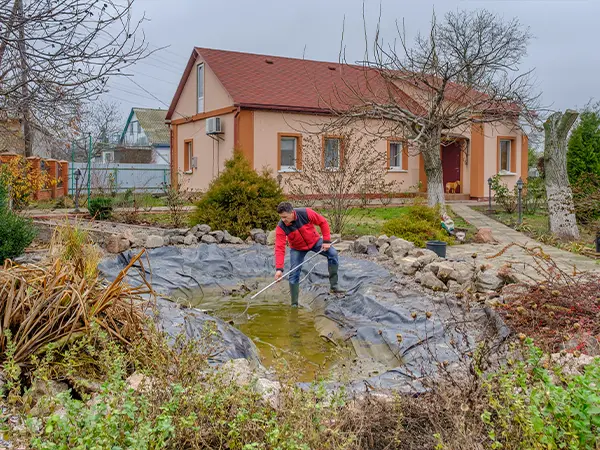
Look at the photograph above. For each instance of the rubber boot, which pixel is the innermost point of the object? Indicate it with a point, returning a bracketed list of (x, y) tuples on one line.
[(333, 279), (295, 293)]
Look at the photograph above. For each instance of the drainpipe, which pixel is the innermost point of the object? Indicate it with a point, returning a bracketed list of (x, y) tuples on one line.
[(236, 126)]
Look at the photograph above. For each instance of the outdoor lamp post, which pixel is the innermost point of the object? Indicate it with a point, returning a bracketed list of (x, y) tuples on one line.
[(519, 198), (490, 195), (77, 176)]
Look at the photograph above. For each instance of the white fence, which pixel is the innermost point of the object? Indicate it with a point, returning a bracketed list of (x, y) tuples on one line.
[(113, 177)]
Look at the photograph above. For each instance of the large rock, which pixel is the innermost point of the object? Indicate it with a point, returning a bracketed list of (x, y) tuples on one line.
[(255, 231), (154, 241), (208, 239), (361, 245), (426, 257), (408, 265), (175, 240), (269, 390), (445, 272), (139, 240), (227, 237), (488, 280), (399, 247), (430, 281), (190, 239), (200, 230), (218, 235), (179, 231), (117, 243), (271, 237), (236, 240), (372, 250), (463, 272), (454, 287), (260, 238), (484, 236), (383, 239), (383, 249)]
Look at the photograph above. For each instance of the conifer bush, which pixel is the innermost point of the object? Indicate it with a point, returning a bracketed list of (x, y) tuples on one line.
[(16, 232), (240, 199)]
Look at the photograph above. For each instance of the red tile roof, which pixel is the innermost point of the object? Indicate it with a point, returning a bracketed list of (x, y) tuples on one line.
[(274, 82)]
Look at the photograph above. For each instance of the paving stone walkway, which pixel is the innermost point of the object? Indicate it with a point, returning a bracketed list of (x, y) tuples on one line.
[(506, 235)]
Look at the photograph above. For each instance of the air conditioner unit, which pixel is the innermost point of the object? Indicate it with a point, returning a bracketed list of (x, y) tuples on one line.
[(213, 125)]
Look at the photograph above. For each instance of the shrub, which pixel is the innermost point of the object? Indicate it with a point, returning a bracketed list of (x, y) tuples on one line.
[(422, 224), (586, 197), (534, 195), (16, 232), (101, 208), (503, 196), (583, 155), (22, 181), (240, 199), (531, 407)]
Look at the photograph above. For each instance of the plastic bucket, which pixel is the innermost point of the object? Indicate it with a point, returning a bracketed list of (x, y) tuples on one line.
[(439, 247)]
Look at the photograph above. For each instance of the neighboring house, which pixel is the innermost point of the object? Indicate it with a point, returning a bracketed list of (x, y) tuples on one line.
[(145, 139), (265, 105)]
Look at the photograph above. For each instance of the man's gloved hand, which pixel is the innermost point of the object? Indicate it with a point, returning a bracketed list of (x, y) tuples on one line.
[(278, 275), (325, 247)]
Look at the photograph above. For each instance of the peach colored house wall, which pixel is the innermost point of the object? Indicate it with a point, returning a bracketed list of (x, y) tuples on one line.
[(215, 95), (491, 133), (268, 124), (210, 162)]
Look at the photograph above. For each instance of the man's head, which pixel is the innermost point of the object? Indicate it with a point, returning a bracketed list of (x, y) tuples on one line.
[(286, 212)]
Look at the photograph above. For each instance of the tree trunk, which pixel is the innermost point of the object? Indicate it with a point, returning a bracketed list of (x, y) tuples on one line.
[(561, 210), (433, 168), (25, 114)]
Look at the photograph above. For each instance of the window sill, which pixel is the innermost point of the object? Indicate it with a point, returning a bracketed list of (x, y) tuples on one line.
[(397, 171), (507, 174), (288, 171), (188, 172)]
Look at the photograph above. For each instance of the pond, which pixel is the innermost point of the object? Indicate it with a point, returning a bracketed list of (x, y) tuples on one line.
[(296, 335)]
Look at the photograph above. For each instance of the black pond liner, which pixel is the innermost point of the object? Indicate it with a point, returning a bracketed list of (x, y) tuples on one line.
[(375, 315)]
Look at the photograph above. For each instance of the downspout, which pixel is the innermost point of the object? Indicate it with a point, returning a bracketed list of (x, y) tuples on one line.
[(236, 128)]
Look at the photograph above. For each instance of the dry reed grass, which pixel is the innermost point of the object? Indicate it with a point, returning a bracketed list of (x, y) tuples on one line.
[(59, 300)]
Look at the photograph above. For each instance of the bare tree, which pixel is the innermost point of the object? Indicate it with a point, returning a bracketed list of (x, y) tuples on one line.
[(561, 209), (464, 72), (350, 165), (55, 54)]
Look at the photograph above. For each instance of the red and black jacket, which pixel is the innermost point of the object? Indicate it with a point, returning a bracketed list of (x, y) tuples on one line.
[(300, 234)]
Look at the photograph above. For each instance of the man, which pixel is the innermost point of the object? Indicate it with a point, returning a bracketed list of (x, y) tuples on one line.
[(297, 225)]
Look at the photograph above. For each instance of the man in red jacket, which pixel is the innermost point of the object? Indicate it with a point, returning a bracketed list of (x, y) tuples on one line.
[(297, 225)]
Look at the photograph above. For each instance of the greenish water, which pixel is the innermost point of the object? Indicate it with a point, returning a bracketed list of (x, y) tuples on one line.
[(292, 336)]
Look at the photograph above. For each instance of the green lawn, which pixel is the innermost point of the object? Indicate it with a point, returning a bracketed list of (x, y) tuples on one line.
[(365, 221)]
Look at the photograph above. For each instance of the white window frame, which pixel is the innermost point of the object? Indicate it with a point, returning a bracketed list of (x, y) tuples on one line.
[(293, 168), (339, 152), (397, 167), (200, 88), (508, 161)]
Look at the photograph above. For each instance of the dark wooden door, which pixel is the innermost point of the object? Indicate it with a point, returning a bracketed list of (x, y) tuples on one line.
[(451, 164)]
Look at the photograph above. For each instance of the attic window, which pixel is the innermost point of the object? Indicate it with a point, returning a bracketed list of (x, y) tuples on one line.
[(269, 61), (331, 67)]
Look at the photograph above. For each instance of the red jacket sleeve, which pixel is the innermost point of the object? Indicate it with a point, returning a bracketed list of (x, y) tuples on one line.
[(317, 219), (280, 239)]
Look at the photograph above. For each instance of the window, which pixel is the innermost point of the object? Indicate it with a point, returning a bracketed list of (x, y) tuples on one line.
[(505, 149), (290, 152), (188, 154), (396, 156), (331, 157), (200, 88)]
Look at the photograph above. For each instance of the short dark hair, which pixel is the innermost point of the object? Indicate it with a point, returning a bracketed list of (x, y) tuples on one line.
[(284, 207)]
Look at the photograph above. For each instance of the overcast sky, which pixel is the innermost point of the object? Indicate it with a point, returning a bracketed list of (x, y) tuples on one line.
[(564, 53)]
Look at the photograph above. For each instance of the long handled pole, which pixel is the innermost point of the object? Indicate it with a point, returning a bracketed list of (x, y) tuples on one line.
[(287, 273)]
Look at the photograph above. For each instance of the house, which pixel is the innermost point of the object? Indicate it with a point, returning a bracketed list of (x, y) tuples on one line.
[(145, 139), (262, 104)]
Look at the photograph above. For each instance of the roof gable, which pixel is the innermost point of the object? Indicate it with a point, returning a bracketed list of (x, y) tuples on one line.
[(273, 82), (153, 123)]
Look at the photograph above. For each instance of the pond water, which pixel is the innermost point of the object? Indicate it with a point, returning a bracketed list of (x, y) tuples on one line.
[(279, 331)]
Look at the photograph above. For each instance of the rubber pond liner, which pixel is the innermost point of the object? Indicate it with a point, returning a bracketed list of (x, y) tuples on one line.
[(400, 336)]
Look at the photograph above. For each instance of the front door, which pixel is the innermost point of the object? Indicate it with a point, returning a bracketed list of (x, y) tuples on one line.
[(451, 165)]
